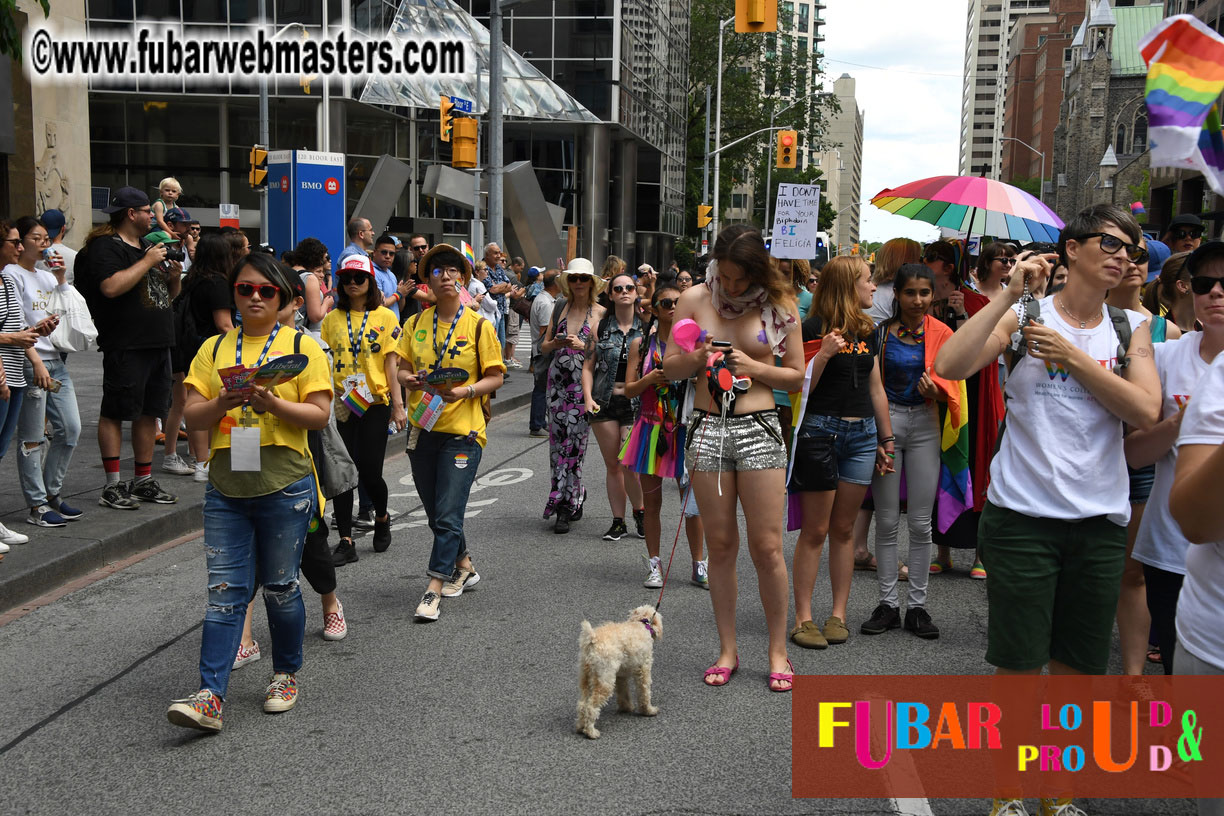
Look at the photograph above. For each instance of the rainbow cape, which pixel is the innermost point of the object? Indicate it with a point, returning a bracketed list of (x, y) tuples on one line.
[(469, 253), (1185, 61)]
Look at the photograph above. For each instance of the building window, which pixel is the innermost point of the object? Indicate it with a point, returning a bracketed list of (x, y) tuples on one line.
[(803, 17), (1120, 140), (1140, 133), (739, 201)]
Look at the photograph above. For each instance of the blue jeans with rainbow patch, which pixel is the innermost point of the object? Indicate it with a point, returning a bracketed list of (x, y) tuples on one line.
[(443, 469)]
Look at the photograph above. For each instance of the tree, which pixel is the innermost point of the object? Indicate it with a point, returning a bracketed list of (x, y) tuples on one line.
[(10, 35), (761, 74), (1029, 184)]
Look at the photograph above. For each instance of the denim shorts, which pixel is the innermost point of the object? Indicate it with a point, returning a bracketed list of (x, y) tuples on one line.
[(849, 450)]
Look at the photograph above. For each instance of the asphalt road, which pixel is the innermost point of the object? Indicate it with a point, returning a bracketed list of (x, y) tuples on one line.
[(472, 714)]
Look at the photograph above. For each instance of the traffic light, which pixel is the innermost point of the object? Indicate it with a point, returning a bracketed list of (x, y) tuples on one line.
[(463, 151), (446, 122), (259, 167), (756, 15), (705, 214), (856, 249), (787, 149)]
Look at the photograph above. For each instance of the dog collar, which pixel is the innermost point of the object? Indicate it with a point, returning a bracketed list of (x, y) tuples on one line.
[(649, 628)]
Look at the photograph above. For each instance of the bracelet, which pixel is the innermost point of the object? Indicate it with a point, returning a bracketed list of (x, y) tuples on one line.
[(471, 392), (888, 439)]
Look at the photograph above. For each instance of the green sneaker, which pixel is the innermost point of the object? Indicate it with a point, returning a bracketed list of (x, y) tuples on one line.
[(808, 635)]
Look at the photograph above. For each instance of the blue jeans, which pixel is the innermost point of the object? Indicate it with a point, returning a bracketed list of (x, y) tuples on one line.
[(501, 329), (854, 445), (249, 542), (443, 469), (39, 480), (10, 410)]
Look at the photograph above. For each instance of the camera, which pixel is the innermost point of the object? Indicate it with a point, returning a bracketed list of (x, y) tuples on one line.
[(175, 253)]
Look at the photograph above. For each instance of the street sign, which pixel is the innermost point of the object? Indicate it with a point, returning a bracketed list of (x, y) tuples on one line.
[(229, 216), (462, 104), (795, 225)]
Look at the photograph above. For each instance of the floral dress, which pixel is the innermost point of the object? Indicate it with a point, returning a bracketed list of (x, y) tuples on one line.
[(567, 423)]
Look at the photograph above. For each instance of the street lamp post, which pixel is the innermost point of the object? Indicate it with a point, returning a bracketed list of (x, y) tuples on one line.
[(1041, 181), (718, 127)]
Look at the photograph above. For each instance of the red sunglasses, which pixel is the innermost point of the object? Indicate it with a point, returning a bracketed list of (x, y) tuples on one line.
[(267, 291)]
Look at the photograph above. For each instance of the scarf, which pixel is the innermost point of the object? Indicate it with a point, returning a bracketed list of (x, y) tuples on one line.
[(774, 319)]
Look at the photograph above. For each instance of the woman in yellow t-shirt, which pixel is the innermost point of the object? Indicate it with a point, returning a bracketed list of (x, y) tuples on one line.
[(261, 488), (361, 333), (450, 360)]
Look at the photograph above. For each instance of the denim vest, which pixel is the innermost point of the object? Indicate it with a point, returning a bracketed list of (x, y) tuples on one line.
[(610, 344)]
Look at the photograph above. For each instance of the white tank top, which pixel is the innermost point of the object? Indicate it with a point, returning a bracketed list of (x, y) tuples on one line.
[(1061, 455)]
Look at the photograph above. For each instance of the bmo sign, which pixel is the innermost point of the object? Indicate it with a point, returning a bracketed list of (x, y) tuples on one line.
[(308, 201)]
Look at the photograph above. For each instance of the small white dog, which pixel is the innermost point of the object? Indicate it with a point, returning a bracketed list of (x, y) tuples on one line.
[(616, 655)]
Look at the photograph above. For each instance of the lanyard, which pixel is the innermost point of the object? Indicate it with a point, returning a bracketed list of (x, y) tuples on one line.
[(446, 343), (355, 345), (263, 355)]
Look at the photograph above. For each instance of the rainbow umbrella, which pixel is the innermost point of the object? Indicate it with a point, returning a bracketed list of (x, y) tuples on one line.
[(973, 205)]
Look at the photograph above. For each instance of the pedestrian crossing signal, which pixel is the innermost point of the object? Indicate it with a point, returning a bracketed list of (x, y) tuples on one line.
[(788, 143), (259, 167), (705, 214)]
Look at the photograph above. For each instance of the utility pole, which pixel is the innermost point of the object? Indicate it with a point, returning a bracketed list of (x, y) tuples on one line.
[(705, 167), (263, 133), (495, 124)]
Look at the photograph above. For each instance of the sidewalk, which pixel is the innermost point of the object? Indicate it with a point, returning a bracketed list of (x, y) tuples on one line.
[(102, 536)]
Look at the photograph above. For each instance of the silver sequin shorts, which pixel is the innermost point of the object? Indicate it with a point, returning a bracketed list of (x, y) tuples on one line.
[(739, 442)]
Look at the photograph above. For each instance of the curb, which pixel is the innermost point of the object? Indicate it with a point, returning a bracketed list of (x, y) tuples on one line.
[(72, 558)]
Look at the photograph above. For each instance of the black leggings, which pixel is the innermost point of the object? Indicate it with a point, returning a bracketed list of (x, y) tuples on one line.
[(1163, 588), (366, 440)]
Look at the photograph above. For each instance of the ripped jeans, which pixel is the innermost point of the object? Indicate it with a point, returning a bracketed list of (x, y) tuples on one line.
[(249, 542)]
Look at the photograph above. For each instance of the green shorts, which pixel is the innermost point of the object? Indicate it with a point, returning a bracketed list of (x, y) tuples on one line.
[(1052, 590)]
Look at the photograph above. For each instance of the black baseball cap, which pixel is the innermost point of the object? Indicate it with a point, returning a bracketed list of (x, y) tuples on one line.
[(1186, 220), (177, 215), (126, 198), (1205, 252)]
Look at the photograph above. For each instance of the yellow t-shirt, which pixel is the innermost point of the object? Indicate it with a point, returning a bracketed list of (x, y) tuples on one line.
[(382, 330), (203, 377), (420, 348)]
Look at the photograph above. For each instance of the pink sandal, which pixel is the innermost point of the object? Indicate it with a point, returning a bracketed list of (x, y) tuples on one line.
[(721, 672), (783, 677)]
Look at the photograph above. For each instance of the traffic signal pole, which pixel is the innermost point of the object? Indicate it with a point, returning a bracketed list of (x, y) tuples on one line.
[(263, 136), (705, 169), (718, 127)]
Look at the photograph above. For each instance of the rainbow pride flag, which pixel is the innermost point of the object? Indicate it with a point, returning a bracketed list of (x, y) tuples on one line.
[(469, 253), (356, 402), (1185, 61)]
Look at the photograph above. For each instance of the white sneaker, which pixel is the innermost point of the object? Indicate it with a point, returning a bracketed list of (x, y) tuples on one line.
[(7, 537), (654, 579), (246, 655), (201, 472), (177, 465), (3, 548)]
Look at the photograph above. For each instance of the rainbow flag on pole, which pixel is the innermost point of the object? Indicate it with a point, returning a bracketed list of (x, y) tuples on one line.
[(1185, 61), (469, 253)]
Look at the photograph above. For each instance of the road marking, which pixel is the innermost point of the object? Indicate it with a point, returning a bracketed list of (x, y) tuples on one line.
[(501, 477), (911, 807)]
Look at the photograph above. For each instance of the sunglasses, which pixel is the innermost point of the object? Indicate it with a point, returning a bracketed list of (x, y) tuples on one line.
[(419, 248), (621, 289), (267, 291), (580, 278), (1110, 244), (1187, 233), (667, 303), (1006, 261), (352, 277), (1202, 284), (813, 281)]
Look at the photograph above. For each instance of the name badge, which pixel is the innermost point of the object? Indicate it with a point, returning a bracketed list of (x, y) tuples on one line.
[(244, 450)]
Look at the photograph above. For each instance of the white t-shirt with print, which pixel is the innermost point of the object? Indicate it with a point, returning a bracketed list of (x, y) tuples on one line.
[(1160, 542), (1061, 456), (1200, 608)]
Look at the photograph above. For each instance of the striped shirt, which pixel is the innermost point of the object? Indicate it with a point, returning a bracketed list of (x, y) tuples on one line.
[(11, 320)]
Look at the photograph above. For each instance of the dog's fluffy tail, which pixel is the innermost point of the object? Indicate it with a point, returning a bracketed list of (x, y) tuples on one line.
[(587, 637)]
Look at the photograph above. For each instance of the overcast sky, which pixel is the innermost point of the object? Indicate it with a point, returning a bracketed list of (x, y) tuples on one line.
[(912, 109)]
